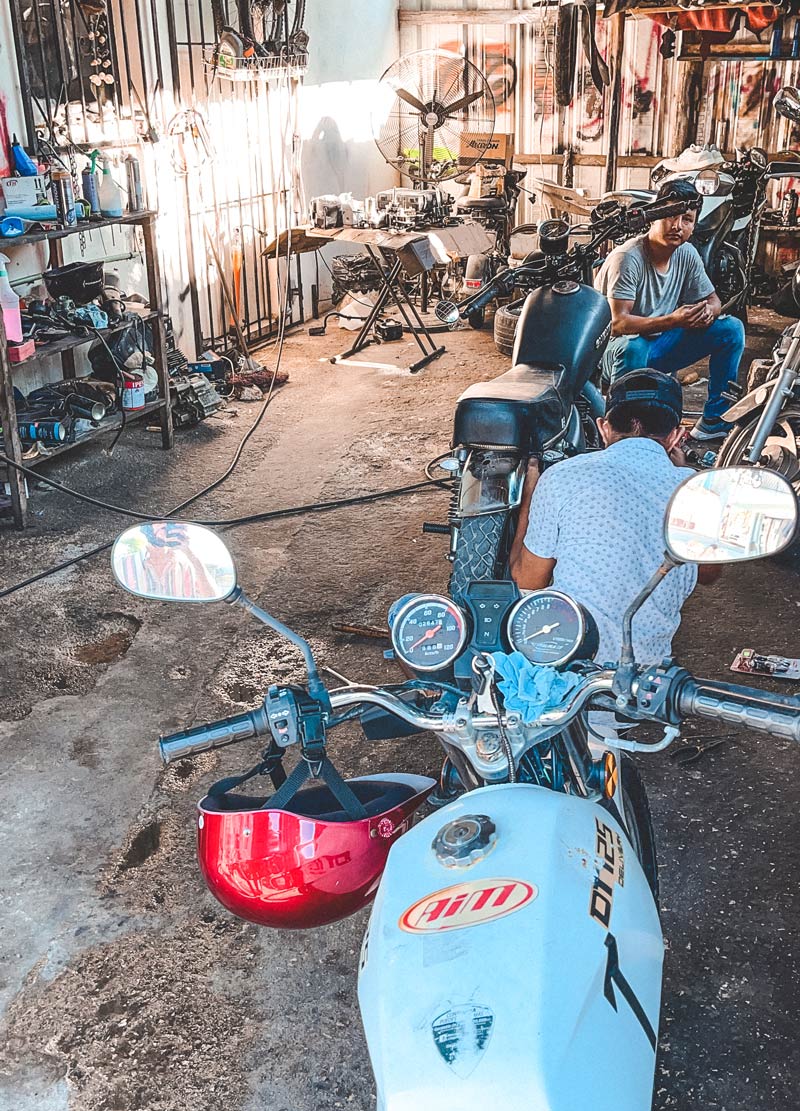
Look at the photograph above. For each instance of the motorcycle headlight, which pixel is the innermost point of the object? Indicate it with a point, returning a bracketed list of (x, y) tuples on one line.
[(707, 183)]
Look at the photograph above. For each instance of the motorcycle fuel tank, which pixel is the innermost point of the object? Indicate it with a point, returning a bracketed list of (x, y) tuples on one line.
[(568, 324), (513, 959)]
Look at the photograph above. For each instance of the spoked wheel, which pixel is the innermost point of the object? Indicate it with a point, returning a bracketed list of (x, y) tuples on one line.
[(781, 453), (638, 821)]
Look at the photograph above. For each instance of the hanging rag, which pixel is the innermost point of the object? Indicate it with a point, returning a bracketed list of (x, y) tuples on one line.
[(600, 74), (529, 689)]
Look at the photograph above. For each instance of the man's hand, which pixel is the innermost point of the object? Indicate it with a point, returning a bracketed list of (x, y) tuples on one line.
[(677, 454), (693, 316)]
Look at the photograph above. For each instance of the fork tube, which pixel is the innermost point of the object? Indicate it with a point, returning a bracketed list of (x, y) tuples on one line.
[(781, 390)]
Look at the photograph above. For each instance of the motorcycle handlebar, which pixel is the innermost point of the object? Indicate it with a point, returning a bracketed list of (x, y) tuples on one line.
[(778, 714), (215, 734)]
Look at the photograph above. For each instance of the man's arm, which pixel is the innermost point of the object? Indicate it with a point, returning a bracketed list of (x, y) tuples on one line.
[(529, 571), (625, 323)]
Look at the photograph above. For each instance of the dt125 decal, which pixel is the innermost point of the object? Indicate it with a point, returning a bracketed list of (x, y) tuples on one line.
[(467, 904), (608, 846)]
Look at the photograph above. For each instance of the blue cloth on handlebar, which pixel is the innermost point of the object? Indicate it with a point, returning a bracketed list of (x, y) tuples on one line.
[(529, 689)]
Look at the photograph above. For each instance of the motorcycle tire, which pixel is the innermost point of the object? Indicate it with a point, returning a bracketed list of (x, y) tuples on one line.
[(477, 319), (731, 454), (566, 52), (505, 329), (477, 551), (639, 821)]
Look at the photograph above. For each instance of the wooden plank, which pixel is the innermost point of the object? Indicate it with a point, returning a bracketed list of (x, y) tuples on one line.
[(616, 51), (85, 226), (485, 16), (628, 161), (157, 329), (644, 12)]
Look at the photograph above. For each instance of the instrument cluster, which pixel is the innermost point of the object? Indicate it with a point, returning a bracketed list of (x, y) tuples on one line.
[(430, 631)]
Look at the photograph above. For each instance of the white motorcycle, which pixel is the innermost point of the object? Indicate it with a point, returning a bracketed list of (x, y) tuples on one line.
[(514, 946)]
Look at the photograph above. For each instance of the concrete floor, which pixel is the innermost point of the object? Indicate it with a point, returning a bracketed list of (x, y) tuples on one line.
[(123, 985)]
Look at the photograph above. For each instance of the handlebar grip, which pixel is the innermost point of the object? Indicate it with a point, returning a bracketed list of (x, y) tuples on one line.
[(783, 169), (480, 299), (660, 212), (216, 734), (750, 707)]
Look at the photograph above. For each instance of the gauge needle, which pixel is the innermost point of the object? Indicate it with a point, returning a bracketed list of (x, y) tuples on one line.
[(425, 636), (544, 629)]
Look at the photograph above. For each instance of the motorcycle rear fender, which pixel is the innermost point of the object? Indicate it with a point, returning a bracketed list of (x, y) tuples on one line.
[(756, 399), (489, 493)]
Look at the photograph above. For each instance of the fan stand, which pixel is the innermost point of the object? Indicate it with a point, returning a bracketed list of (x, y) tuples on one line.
[(389, 266)]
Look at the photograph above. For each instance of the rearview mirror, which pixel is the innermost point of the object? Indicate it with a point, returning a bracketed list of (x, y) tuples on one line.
[(173, 561), (730, 515), (786, 102)]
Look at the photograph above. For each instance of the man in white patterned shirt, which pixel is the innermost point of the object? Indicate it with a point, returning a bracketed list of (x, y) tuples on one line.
[(594, 525)]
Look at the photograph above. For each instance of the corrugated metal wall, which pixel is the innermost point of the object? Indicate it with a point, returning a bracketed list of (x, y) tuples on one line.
[(519, 60)]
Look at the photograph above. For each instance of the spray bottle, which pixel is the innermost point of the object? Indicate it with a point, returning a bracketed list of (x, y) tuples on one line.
[(89, 182), (108, 193), (9, 302)]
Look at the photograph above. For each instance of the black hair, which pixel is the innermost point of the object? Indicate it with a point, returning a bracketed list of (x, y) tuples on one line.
[(679, 189), (643, 418)]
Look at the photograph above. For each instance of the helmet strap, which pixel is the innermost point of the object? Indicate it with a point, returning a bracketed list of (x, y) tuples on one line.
[(318, 769)]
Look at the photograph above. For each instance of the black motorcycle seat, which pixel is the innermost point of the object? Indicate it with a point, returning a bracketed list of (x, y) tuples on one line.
[(480, 204), (520, 409)]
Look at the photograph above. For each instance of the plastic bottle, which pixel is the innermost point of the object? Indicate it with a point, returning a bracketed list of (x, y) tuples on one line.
[(9, 302), (89, 179), (109, 194)]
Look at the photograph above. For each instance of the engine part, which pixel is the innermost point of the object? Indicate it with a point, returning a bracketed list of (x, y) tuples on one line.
[(193, 399)]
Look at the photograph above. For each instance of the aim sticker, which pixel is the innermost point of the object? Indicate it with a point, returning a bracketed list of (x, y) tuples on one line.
[(467, 904)]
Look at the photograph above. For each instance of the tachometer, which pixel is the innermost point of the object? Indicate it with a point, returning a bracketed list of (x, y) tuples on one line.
[(548, 627), (428, 632)]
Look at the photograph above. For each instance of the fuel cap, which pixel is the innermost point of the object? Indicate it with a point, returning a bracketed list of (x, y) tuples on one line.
[(565, 287), (465, 841)]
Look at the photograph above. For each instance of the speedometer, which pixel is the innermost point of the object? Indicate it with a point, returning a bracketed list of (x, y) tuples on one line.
[(428, 632), (548, 627)]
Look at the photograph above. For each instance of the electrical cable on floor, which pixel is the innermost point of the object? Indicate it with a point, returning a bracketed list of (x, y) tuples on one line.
[(235, 522)]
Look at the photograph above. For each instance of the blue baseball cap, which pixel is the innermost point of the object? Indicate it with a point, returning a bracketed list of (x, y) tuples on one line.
[(647, 386)]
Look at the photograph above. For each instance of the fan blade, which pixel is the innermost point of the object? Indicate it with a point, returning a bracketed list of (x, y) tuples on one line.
[(409, 98), (464, 102)]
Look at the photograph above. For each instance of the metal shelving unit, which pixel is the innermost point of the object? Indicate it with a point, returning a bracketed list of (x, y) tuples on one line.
[(65, 349)]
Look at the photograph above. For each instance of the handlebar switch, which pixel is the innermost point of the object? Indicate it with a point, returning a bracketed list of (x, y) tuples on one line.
[(283, 716), (656, 690)]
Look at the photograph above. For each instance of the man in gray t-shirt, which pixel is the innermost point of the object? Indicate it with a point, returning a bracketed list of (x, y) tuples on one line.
[(665, 313)]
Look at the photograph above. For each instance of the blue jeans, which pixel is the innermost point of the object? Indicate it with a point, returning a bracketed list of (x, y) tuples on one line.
[(723, 341)]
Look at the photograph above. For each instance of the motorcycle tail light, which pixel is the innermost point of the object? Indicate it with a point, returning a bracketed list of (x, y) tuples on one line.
[(473, 283)]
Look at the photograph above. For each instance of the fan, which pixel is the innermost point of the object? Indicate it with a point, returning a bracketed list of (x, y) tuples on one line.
[(434, 115)]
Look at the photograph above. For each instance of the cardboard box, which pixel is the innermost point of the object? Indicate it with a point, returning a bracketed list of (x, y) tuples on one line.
[(500, 148), (25, 192)]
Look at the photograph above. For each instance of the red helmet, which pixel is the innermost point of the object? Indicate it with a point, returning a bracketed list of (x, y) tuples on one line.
[(306, 864)]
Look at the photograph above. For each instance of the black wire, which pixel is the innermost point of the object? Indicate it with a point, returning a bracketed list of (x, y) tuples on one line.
[(234, 522)]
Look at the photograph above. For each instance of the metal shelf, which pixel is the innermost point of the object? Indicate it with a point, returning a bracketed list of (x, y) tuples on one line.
[(272, 68), (64, 348), (69, 343)]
